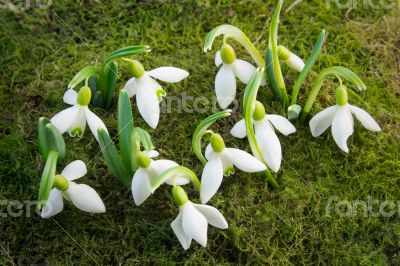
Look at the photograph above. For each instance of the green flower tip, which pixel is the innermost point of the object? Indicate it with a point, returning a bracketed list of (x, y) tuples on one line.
[(84, 96), (143, 160), (179, 195), (283, 52), (135, 68), (217, 143), (341, 95), (61, 183), (227, 54), (259, 111)]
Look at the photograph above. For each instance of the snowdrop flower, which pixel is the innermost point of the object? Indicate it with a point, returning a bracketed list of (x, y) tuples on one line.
[(341, 119), (193, 219), (292, 61), (73, 119), (82, 196), (147, 172), (148, 91), (220, 163), (225, 83), (267, 140)]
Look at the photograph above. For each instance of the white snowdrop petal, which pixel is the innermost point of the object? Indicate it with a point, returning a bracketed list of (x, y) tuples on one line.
[(141, 186), (282, 124), (194, 224), (295, 62), (225, 86), (244, 70), (321, 121), (208, 151), (64, 119), (211, 178), (74, 170), (168, 74), (176, 226), (161, 166), (342, 127), (213, 216), (70, 97), (151, 153), (131, 87), (239, 129), (148, 104), (85, 198), (54, 204), (366, 119), (269, 144), (218, 59), (94, 123), (244, 161)]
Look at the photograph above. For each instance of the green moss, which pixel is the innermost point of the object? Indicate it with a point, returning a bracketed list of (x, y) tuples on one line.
[(39, 56)]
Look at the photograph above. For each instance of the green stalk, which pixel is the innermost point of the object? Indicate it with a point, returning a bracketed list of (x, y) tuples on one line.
[(200, 131), (337, 71), (230, 31), (177, 171), (46, 183), (273, 45), (309, 64)]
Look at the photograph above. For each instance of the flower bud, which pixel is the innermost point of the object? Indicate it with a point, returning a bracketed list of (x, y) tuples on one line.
[(217, 143), (294, 111), (179, 195), (341, 95), (135, 68), (143, 160), (60, 182), (292, 61), (84, 96), (227, 54), (259, 111)]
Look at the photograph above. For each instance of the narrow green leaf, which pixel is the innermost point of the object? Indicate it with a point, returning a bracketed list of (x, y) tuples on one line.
[(128, 52), (111, 82), (42, 140), (127, 48), (309, 64), (50, 139), (125, 127), (270, 75), (82, 75), (200, 131), (177, 171), (112, 158), (145, 138), (46, 183)]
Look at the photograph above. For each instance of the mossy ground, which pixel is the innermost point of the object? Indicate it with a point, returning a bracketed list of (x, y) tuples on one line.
[(40, 54)]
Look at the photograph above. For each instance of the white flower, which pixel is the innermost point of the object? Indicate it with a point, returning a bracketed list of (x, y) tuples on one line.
[(148, 91), (147, 172), (295, 62), (192, 223), (82, 196), (341, 119), (225, 82), (220, 162), (267, 140), (73, 119)]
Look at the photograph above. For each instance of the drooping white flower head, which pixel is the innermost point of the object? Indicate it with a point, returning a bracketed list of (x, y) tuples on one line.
[(267, 140), (220, 162), (148, 91), (292, 61), (193, 219), (147, 172), (225, 82), (73, 119), (341, 119), (82, 196)]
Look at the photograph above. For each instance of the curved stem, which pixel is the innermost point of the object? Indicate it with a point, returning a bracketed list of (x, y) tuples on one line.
[(174, 172), (337, 71)]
